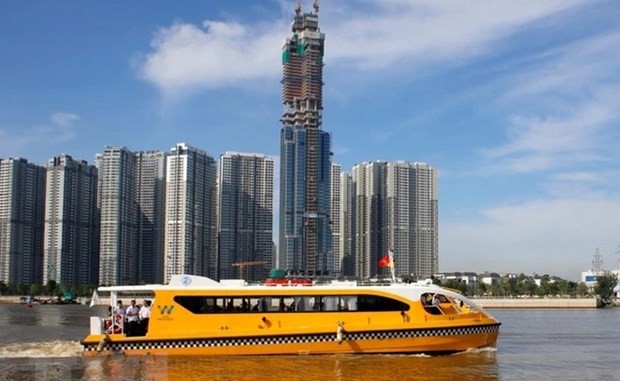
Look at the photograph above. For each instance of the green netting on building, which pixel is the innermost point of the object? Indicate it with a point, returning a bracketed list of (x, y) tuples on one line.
[(286, 56)]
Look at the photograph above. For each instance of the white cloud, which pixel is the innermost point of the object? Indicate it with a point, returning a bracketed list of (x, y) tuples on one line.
[(218, 54), (428, 30), (587, 177), (187, 57), (571, 69), (555, 236), (23, 140), (570, 95), (537, 143), (64, 118)]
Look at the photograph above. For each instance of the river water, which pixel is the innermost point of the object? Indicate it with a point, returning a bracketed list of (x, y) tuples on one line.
[(42, 343)]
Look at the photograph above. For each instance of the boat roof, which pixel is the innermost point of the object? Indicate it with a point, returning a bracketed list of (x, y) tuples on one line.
[(194, 282)]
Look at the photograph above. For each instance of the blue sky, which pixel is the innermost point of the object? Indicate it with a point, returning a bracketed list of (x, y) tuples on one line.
[(514, 102)]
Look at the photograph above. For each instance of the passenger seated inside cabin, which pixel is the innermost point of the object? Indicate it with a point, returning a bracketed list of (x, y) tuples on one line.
[(107, 322), (117, 327), (430, 302)]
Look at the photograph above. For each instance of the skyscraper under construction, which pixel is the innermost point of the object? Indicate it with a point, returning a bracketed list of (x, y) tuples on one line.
[(305, 233)]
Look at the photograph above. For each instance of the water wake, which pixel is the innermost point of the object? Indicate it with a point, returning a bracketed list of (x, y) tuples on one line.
[(478, 350), (42, 349)]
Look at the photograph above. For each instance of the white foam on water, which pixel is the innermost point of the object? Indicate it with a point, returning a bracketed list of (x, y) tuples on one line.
[(477, 350), (43, 349)]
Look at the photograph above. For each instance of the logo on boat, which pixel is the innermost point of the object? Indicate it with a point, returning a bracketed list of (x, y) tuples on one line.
[(165, 310), (186, 281)]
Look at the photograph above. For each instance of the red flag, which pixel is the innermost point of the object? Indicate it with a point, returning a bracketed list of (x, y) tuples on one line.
[(384, 261)]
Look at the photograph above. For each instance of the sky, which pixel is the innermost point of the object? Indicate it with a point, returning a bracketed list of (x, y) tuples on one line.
[(515, 103)]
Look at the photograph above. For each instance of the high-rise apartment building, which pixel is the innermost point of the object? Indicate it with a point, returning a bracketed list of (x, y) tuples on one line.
[(118, 248), (190, 222), (245, 219), (131, 201), (22, 200), (345, 225), (424, 218), (305, 233), (337, 226), (369, 203), (71, 236), (151, 201), (395, 208)]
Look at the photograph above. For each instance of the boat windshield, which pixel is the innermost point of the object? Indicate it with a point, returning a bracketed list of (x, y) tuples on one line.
[(437, 303)]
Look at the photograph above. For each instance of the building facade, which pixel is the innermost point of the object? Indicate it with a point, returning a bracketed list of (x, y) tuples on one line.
[(305, 153), (345, 226), (190, 222), (118, 248), (71, 235), (335, 201), (245, 218), (395, 209), (151, 202), (369, 223), (22, 200)]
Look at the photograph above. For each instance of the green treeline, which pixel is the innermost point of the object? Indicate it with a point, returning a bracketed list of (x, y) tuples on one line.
[(50, 289), (524, 286)]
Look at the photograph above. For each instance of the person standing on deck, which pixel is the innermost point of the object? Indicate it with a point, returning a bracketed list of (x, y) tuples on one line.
[(145, 315), (132, 319)]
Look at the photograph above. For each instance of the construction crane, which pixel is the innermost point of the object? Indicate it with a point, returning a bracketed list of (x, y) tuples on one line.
[(67, 295), (242, 265)]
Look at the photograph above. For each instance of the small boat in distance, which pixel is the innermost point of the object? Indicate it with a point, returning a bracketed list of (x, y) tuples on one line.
[(195, 315)]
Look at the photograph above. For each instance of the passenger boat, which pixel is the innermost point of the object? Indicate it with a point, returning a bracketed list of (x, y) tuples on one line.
[(195, 315)]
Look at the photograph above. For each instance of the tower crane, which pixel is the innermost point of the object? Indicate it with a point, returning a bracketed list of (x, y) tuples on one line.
[(242, 265)]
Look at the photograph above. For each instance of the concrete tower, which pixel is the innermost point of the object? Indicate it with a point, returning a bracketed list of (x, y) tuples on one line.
[(71, 241), (245, 220), (191, 226), (22, 200), (305, 234), (395, 208)]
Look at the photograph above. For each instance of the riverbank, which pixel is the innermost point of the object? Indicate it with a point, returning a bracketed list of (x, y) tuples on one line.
[(540, 303), (485, 303), (14, 299)]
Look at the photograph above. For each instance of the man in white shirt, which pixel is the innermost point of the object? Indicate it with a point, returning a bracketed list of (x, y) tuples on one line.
[(132, 319), (145, 315), (119, 309)]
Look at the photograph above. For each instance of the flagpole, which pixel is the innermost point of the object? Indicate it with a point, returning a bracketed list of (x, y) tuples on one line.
[(392, 266)]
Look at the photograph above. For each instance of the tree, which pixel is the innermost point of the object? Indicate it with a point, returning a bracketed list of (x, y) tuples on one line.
[(3, 287), (481, 289), (51, 287), (36, 289), (22, 289), (529, 287), (605, 285), (455, 284), (582, 289)]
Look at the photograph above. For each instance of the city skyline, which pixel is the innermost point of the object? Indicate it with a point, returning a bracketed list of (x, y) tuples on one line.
[(513, 103)]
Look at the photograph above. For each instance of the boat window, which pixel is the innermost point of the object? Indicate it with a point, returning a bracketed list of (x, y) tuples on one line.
[(198, 304), (379, 303)]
